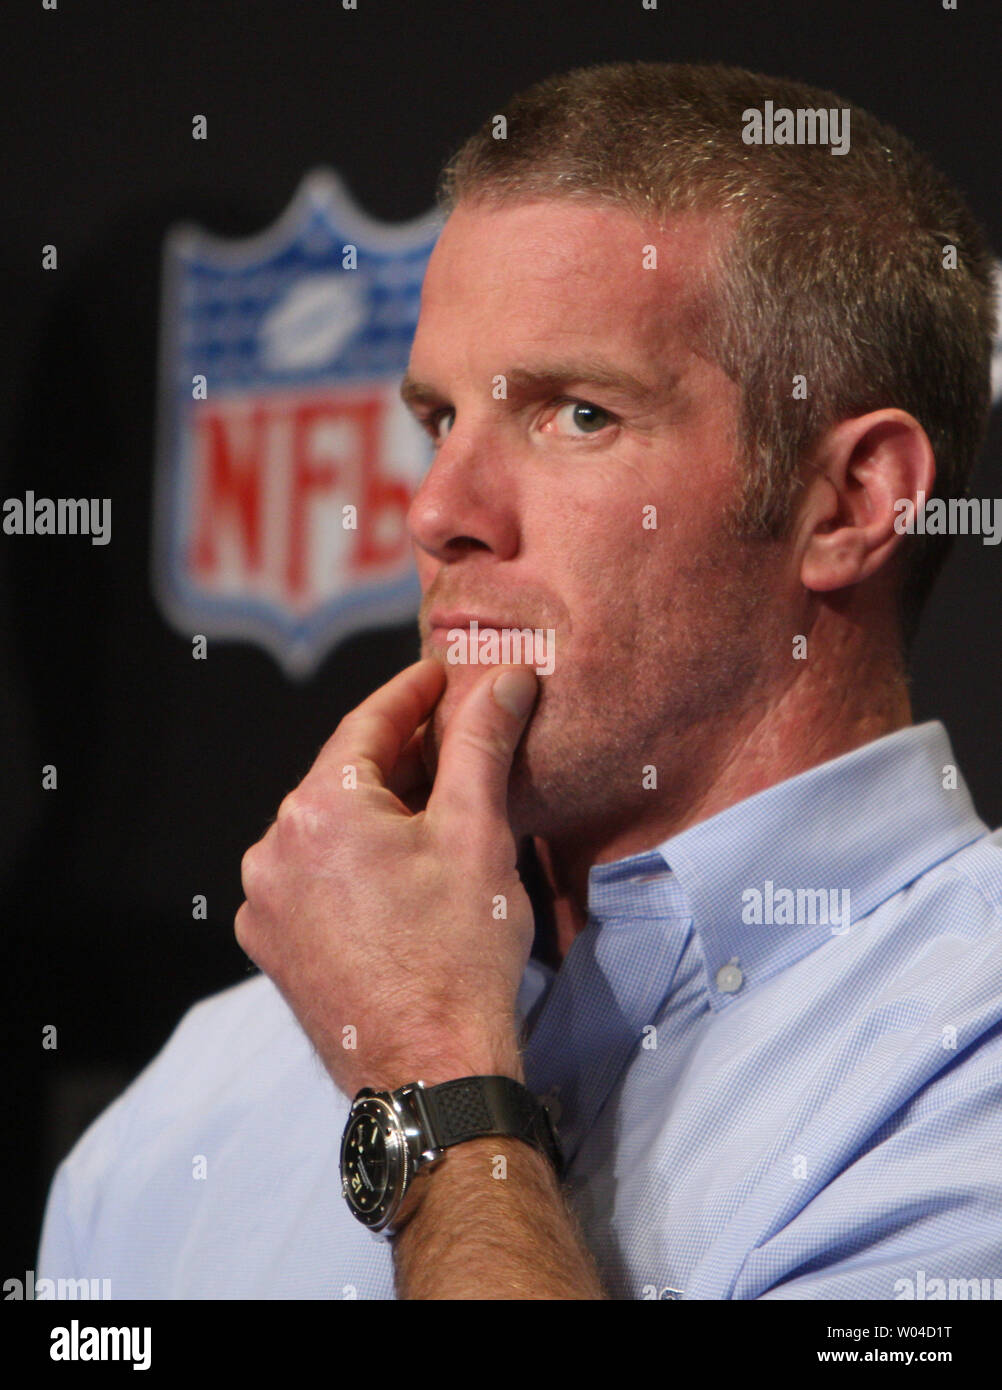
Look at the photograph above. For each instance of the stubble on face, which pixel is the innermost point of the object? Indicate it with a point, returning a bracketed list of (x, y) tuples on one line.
[(671, 670)]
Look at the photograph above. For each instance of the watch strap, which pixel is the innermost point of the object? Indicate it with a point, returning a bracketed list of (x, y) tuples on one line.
[(473, 1106)]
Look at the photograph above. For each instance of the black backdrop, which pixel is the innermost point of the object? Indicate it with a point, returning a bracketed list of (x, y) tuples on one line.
[(169, 768)]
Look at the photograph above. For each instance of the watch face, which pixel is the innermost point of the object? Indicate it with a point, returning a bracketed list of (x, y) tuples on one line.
[(372, 1162)]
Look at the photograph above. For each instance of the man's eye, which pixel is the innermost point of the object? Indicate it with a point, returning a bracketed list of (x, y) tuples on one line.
[(435, 423), (578, 417)]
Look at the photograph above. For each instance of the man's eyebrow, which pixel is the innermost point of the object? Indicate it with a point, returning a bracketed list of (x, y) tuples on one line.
[(551, 376), (414, 392), (588, 371)]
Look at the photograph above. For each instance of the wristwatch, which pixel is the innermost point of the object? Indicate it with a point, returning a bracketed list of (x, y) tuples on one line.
[(391, 1136)]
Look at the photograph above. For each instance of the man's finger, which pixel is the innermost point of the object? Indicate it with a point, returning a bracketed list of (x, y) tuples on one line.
[(409, 772), (373, 735), (474, 763)]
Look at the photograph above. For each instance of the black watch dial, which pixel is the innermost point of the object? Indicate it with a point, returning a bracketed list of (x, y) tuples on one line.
[(373, 1162)]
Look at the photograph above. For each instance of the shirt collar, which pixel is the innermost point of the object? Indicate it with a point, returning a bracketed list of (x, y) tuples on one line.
[(866, 823)]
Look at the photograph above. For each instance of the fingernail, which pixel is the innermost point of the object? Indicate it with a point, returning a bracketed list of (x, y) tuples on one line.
[(515, 692)]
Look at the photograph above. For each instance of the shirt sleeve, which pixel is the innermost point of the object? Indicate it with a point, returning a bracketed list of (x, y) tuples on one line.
[(917, 1216), (75, 1196), (57, 1256)]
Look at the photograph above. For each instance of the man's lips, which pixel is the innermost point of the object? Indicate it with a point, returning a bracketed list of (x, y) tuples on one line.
[(440, 618), (441, 624)]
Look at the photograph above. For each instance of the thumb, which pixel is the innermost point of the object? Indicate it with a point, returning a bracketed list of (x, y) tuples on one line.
[(474, 763)]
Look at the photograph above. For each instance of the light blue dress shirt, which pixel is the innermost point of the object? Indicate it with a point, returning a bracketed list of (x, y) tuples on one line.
[(775, 1052)]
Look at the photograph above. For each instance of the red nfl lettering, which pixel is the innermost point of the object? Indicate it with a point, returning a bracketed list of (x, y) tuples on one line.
[(271, 481)]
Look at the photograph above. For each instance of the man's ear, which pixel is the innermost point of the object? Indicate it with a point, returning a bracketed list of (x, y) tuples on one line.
[(864, 469)]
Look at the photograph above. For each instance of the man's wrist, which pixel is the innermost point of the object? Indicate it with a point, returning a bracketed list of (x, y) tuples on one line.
[(410, 1128), (474, 1165), (474, 1161)]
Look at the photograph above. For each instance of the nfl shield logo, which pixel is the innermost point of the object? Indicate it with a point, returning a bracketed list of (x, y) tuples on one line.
[(286, 460)]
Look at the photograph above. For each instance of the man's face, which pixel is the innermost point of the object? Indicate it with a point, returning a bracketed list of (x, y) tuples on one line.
[(583, 493)]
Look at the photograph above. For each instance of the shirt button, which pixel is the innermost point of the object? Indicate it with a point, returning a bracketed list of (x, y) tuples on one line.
[(552, 1102), (730, 978)]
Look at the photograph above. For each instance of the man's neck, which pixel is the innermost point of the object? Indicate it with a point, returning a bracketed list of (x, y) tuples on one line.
[(816, 718)]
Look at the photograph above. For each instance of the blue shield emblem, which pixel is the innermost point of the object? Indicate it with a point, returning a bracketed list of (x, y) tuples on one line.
[(286, 460)]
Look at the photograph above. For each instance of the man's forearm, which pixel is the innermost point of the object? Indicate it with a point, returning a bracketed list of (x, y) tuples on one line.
[(483, 1229)]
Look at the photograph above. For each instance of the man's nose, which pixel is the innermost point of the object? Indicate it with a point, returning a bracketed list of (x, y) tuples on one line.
[(466, 500)]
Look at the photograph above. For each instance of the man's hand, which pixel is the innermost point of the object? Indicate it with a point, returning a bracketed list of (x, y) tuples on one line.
[(398, 936)]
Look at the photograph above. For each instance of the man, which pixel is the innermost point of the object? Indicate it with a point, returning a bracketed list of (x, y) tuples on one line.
[(682, 387)]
